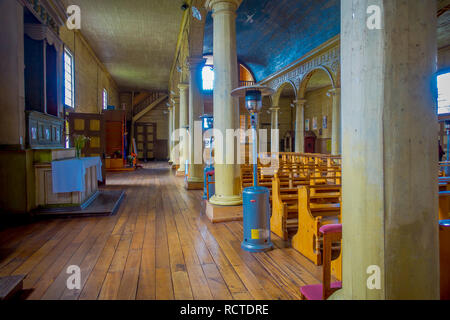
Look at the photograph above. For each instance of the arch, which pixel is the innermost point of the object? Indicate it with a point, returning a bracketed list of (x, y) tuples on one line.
[(304, 81), (279, 90)]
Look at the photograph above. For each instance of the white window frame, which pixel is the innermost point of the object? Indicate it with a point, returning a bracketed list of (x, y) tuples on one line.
[(72, 58), (105, 99), (203, 80)]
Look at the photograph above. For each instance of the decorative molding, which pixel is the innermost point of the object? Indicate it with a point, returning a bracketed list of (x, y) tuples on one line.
[(41, 32), (325, 57), (45, 13)]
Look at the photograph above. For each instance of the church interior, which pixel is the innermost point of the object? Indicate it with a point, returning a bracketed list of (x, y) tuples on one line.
[(225, 150)]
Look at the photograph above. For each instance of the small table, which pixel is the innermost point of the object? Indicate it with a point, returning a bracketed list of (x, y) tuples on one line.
[(68, 182)]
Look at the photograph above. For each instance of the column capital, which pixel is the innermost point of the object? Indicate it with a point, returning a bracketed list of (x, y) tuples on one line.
[(222, 5), (334, 92), (300, 102), (195, 62), (175, 100), (274, 109), (183, 86)]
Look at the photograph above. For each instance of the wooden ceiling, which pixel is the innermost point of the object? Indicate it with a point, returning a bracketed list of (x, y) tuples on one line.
[(135, 39)]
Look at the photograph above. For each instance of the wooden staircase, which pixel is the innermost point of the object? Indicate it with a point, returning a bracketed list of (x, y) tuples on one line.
[(147, 104)]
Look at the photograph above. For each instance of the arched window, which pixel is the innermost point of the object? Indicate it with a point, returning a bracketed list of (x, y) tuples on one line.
[(208, 78), (443, 87), (245, 76)]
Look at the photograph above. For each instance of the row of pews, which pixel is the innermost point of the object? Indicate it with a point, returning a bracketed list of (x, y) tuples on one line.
[(305, 195)]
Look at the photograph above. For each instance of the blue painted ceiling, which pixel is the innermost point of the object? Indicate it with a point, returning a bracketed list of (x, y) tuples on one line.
[(274, 33)]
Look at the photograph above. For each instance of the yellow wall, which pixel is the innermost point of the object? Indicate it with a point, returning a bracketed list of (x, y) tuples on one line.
[(91, 76), (157, 115), (286, 116), (319, 105)]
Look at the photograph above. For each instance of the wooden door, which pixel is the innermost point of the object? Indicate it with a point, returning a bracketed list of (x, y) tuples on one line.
[(91, 125), (310, 145), (145, 135)]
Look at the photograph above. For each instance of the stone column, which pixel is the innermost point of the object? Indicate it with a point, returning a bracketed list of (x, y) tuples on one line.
[(275, 134), (195, 179), (300, 126), (389, 150), (226, 108), (336, 121), (184, 141), (175, 125), (170, 145)]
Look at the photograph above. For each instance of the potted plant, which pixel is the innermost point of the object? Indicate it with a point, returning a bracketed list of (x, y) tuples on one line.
[(131, 160), (80, 143)]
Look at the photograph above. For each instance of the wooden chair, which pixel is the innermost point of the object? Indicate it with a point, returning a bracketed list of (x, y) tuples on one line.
[(311, 217), (331, 233)]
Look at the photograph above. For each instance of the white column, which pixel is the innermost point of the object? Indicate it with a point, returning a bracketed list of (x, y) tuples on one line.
[(336, 121), (390, 194), (300, 126), (175, 100), (170, 145), (184, 141), (226, 108), (275, 134), (195, 179)]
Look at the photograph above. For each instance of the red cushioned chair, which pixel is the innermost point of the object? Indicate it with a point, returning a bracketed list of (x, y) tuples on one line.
[(331, 233)]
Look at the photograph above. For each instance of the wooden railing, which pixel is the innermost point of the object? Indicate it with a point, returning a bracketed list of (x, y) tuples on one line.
[(246, 83), (147, 101)]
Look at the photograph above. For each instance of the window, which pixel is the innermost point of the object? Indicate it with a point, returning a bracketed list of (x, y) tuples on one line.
[(208, 78), (69, 79), (105, 99), (443, 85)]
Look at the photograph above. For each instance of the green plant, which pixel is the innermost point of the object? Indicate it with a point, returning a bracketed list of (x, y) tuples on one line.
[(80, 143)]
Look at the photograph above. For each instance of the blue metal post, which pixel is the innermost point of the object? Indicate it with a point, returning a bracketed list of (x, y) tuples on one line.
[(254, 118)]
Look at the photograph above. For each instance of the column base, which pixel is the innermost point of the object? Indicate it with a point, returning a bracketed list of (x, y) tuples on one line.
[(226, 200), (218, 214), (180, 173), (193, 185)]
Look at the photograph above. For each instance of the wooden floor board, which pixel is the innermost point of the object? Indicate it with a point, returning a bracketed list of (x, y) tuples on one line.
[(158, 246)]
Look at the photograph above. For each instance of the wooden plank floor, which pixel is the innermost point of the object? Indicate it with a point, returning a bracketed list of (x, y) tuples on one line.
[(158, 246)]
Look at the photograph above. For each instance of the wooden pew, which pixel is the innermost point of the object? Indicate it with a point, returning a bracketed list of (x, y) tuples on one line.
[(314, 211), (331, 234), (284, 205)]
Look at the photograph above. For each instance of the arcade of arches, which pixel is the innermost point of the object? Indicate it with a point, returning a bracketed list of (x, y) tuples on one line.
[(107, 126)]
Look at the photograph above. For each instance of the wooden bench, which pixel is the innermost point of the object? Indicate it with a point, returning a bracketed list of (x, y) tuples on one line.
[(312, 216), (284, 206), (331, 233)]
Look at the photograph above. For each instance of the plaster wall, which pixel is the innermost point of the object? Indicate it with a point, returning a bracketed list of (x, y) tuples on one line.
[(319, 105), (91, 77)]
